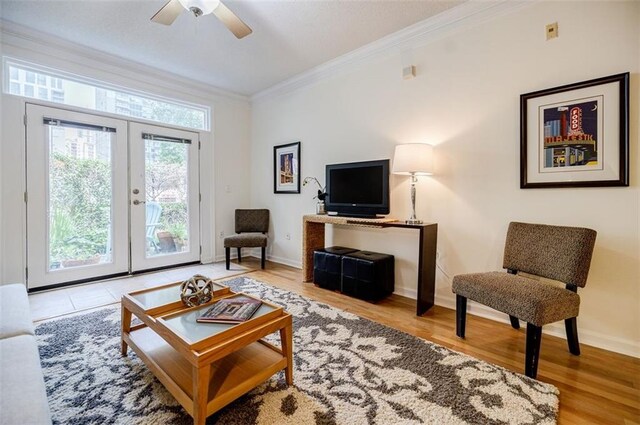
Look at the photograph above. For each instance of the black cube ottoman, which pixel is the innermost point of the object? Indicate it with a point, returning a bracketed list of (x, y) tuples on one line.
[(368, 275), (327, 266)]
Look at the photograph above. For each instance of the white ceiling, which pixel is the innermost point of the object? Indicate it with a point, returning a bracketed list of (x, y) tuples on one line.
[(289, 37)]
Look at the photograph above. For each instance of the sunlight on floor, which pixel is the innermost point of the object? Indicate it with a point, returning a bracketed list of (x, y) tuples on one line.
[(57, 302)]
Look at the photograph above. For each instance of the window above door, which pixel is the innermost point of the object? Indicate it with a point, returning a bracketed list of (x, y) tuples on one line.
[(38, 82)]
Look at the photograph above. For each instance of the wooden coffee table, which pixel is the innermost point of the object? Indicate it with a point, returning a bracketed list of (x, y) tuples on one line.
[(205, 366)]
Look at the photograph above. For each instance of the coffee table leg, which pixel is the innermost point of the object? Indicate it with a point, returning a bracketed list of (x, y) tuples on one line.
[(126, 327), (200, 393), (286, 340)]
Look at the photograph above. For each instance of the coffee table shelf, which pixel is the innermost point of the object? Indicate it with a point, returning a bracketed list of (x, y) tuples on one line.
[(230, 377), (205, 366)]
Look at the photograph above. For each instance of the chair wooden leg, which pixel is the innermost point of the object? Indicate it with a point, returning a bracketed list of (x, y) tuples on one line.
[(263, 250), (534, 336), (571, 327), (239, 255), (227, 256), (461, 315), (515, 322)]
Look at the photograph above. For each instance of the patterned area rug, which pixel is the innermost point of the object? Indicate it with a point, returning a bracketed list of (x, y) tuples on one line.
[(348, 370)]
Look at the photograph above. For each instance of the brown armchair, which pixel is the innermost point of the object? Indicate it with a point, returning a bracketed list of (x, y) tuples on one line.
[(251, 226), (555, 252)]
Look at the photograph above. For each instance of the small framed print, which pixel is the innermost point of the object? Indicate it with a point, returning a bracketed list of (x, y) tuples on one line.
[(576, 135), (286, 168)]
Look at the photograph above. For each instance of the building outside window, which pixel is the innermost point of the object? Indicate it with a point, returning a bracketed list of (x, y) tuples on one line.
[(92, 95)]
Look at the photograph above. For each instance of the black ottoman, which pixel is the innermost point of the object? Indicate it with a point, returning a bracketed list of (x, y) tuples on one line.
[(368, 275), (327, 266)]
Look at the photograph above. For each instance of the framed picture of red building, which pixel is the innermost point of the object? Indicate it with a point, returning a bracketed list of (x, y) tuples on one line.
[(576, 135)]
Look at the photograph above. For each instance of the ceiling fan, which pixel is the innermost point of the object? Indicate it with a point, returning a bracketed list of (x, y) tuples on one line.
[(170, 11)]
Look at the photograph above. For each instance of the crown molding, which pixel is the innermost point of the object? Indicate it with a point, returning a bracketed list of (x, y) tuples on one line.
[(22, 37), (470, 13)]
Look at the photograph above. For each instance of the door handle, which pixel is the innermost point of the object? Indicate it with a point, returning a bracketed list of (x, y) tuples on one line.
[(136, 202)]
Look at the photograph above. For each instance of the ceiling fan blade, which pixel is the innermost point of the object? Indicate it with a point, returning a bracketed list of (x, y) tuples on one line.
[(168, 13), (231, 21)]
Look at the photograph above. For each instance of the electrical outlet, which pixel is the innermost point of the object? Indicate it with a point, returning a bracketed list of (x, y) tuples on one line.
[(552, 31), (438, 254), (221, 234), (288, 236)]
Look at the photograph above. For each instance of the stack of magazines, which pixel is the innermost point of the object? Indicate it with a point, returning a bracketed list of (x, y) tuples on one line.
[(231, 310)]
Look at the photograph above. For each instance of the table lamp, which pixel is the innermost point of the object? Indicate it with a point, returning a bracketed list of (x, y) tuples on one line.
[(413, 159)]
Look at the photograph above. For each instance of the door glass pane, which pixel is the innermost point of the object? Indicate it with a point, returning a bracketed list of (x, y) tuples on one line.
[(166, 186), (80, 197)]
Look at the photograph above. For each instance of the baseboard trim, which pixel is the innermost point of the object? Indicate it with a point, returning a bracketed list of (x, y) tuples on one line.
[(220, 258), (587, 337), (285, 261), (256, 254), (406, 292)]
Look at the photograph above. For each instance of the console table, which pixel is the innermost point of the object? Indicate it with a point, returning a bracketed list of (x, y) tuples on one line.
[(313, 238)]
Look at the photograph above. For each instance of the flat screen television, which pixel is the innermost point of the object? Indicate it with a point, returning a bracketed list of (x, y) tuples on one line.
[(358, 189)]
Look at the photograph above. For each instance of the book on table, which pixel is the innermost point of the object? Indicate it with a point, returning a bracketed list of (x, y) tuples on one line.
[(231, 310)]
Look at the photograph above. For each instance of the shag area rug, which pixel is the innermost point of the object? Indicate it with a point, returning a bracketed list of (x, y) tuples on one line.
[(348, 370)]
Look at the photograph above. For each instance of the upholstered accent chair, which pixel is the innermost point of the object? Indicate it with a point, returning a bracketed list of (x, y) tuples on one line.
[(558, 253), (251, 229)]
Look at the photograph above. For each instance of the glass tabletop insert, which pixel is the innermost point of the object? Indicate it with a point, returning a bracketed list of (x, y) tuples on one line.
[(163, 296), (185, 324)]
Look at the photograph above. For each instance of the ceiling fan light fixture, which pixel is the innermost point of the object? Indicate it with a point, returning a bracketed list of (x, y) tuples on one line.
[(200, 7)]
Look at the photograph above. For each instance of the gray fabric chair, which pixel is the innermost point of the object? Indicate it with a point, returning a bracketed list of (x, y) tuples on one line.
[(555, 252), (251, 226)]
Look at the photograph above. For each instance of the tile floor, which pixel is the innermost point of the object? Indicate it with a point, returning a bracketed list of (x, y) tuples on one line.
[(57, 302)]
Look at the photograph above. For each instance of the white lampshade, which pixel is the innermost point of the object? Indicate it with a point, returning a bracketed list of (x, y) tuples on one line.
[(413, 158)]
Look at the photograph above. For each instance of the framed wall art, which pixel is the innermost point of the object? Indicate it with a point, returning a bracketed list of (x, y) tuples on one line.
[(576, 135), (286, 168)]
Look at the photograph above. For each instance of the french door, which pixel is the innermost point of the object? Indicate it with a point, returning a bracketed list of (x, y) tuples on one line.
[(164, 195), (107, 197)]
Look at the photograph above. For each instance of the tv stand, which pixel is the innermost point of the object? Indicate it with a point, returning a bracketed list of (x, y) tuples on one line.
[(313, 238)]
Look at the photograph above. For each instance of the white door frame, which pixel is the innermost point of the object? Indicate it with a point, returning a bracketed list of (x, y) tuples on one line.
[(37, 168)]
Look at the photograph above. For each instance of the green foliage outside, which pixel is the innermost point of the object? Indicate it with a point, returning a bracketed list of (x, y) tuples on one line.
[(166, 174), (80, 196), (174, 219), (80, 201)]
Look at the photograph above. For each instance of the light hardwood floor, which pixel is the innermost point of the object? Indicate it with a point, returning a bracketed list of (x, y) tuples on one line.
[(598, 387)]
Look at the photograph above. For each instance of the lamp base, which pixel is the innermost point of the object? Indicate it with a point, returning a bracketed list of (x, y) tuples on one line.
[(413, 221)]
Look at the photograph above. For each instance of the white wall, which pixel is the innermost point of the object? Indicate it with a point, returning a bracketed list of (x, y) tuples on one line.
[(224, 156), (465, 100)]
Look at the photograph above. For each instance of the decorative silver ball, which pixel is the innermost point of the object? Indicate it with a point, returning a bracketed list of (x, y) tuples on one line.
[(196, 290)]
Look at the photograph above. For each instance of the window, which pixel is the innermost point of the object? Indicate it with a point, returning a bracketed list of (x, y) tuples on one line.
[(57, 96), (14, 74), (28, 90), (99, 96)]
